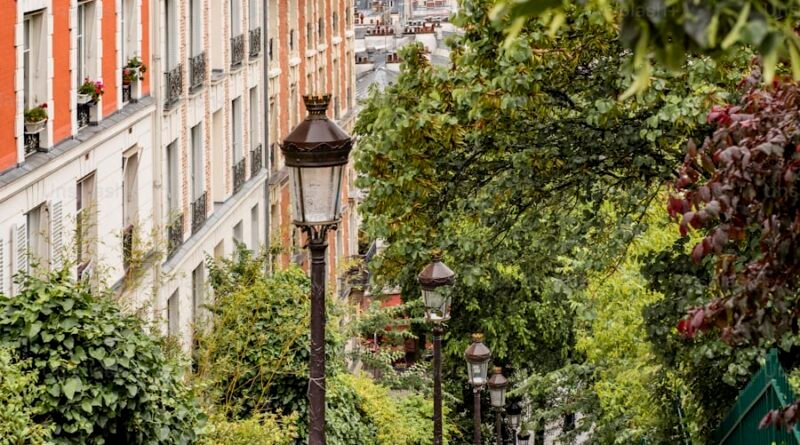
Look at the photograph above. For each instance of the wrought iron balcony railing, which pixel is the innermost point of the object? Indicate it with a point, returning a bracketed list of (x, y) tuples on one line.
[(127, 246), (197, 65), (238, 176), (174, 234), (174, 83), (256, 160), (237, 50), (255, 42), (199, 212)]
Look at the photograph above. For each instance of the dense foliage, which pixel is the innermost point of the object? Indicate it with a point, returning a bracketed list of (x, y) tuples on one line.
[(260, 429), (105, 379), (740, 188), (669, 30), (18, 393)]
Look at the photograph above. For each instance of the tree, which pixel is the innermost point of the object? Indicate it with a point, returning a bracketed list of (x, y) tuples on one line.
[(671, 31), (740, 188)]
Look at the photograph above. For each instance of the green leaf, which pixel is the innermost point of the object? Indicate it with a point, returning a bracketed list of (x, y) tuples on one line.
[(733, 35), (72, 386)]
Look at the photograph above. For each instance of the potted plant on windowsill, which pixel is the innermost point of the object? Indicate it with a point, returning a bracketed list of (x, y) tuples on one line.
[(35, 119), (136, 69), (90, 91)]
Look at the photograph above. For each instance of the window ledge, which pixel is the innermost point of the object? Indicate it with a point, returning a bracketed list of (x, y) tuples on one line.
[(336, 40), (294, 61), (322, 47), (217, 75), (274, 72), (311, 53), (349, 34)]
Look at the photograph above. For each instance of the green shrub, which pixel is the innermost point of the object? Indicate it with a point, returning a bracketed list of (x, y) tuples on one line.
[(346, 419), (106, 380), (261, 429), (18, 393)]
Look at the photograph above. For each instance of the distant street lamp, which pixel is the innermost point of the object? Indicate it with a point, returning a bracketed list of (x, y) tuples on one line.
[(477, 356), (497, 392), (514, 417), (434, 281), (316, 152)]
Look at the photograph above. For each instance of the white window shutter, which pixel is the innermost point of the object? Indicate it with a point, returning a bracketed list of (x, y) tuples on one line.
[(56, 236), (19, 233)]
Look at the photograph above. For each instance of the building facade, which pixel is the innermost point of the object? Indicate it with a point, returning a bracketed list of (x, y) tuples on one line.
[(178, 159)]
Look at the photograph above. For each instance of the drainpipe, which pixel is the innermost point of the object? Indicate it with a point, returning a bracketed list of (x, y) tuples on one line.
[(265, 123), (156, 73)]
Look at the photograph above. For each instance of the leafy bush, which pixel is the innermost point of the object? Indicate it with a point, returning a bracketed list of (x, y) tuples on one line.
[(261, 429), (36, 114), (106, 379), (18, 393), (347, 421), (406, 420)]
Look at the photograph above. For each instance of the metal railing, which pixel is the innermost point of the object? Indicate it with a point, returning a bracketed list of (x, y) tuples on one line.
[(174, 85), (238, 176), (373, 249), (31, 143), (174, 234), (199, 212), (84, 112), (127, 246), (237, 50), (256, 160), (255, 42), (197, 66), (126, 92)]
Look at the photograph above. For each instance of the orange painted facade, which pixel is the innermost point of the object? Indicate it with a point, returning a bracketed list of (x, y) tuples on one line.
[(63, 88), (8, 100), (61, 114)]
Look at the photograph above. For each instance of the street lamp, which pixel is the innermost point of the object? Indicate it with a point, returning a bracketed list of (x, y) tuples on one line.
[(477, 356), (316, 152), (434, 279), (497, 392), (524, 438), (514, 417)]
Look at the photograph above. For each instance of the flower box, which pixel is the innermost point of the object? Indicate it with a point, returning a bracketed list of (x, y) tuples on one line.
[(84, 99), (35, 127)]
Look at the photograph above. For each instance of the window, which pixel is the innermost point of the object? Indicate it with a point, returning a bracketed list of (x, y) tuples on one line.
[(235, 18), (236, 123), (130, 22), (38, 233), (309, 36), (270, 48), (173, 181), (86, 222), (255, 238), (321, 30), (253, 14), (216, 45), (217, 157), (219, 250), (171, 33), (291, 40), (293, 105), (195, 25), (335, 23), (198, 292), (198, 169), (569, 422), (347, 16), (34, 59), (130, 189), (173, 314), (255, 132), (238, 233)]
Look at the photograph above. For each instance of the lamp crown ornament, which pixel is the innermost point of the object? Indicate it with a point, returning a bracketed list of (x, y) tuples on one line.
[(436, 274), (317, 105)]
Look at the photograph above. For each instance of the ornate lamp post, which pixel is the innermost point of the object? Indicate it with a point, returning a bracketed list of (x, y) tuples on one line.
[(514, 417), (524, 438), (433, 280), (316, 152), (497, 392), (477, 356)]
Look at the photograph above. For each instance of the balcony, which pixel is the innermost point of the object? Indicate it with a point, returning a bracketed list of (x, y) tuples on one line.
[(238, 176), (256, 160), (237, 51), (199, 212), (174, 85), (84, 113), (255, 42), (174, 235), (197, 67)]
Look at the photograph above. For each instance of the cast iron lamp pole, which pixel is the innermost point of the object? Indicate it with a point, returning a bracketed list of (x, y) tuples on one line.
[(514, 415), (434, 281), (497, 390), (477, 356), (316, 152)]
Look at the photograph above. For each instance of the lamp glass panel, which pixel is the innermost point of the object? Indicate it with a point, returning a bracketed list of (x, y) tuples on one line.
[(437, 305), (477, 373), (316, 193), (498, 397), (513, 419)]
